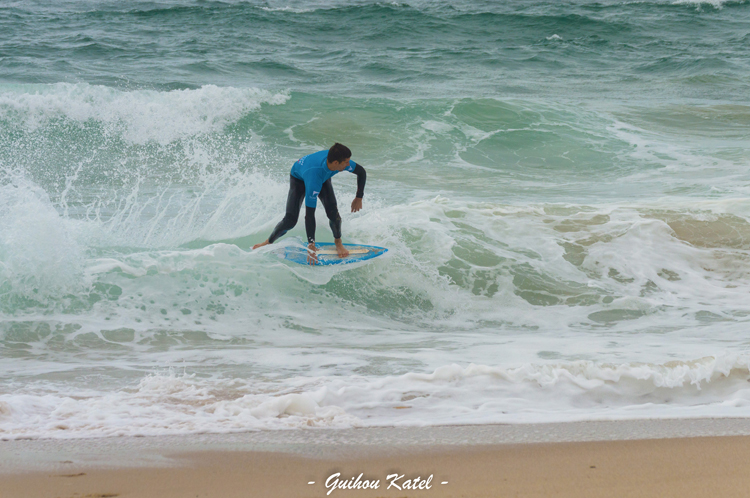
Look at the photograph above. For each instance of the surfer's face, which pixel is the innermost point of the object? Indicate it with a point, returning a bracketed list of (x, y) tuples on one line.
[(339, 165)]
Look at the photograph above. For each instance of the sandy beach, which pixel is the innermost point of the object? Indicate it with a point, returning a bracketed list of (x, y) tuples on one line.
[(625, 461)]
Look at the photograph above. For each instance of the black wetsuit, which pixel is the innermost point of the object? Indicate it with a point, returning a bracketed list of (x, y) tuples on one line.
[(326, 195)]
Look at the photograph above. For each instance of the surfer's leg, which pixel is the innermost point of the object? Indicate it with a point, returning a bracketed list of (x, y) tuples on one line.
[(328, 198), (293, 204), (334, 219)]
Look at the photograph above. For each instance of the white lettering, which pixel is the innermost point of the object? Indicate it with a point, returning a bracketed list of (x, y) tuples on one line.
[(393, 478), (357, 483), (331, 487), (334, 481)]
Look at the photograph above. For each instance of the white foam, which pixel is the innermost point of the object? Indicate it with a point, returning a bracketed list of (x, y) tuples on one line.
[(288, 8), (717, 4), (39, 250), (553, 392), (475, 356), (141, 115)]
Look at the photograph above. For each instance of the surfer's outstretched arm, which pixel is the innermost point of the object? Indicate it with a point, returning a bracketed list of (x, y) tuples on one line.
[(312, 258), (310, 224)]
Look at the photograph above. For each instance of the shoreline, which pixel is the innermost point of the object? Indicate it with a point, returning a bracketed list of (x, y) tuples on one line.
[(693, 457)]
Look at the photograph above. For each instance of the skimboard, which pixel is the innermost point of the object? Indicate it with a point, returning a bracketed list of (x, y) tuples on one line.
[(327, 254)]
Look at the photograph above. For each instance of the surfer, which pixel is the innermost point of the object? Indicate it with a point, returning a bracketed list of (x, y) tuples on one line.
[(310, 179)]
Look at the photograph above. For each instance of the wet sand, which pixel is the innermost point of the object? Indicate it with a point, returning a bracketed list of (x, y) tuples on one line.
[(618, 459)]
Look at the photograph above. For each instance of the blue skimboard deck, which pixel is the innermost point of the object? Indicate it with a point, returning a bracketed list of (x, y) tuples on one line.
[(327, 253)]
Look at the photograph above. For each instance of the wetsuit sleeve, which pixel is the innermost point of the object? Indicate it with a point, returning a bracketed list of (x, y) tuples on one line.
[(312, 189), (310, 224), (361, 179)]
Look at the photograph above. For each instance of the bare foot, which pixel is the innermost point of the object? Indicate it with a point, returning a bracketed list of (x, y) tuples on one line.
[(260, 245), (341, 250)]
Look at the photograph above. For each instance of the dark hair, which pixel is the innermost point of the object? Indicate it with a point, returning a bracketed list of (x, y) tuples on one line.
[(338, 153)]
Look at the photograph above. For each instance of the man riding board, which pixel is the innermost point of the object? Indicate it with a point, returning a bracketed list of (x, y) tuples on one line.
[(310, 179)]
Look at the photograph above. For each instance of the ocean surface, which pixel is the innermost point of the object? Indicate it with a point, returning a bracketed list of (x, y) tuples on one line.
[(563, 186)]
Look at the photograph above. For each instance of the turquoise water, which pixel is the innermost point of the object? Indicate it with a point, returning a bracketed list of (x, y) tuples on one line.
[(562, 186)]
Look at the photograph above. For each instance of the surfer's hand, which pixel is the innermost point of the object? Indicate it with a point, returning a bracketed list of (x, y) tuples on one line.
[(312, 258), (343, 251), (356, 204)]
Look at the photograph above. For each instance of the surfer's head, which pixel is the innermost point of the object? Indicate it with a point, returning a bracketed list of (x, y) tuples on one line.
[(338, 157)]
